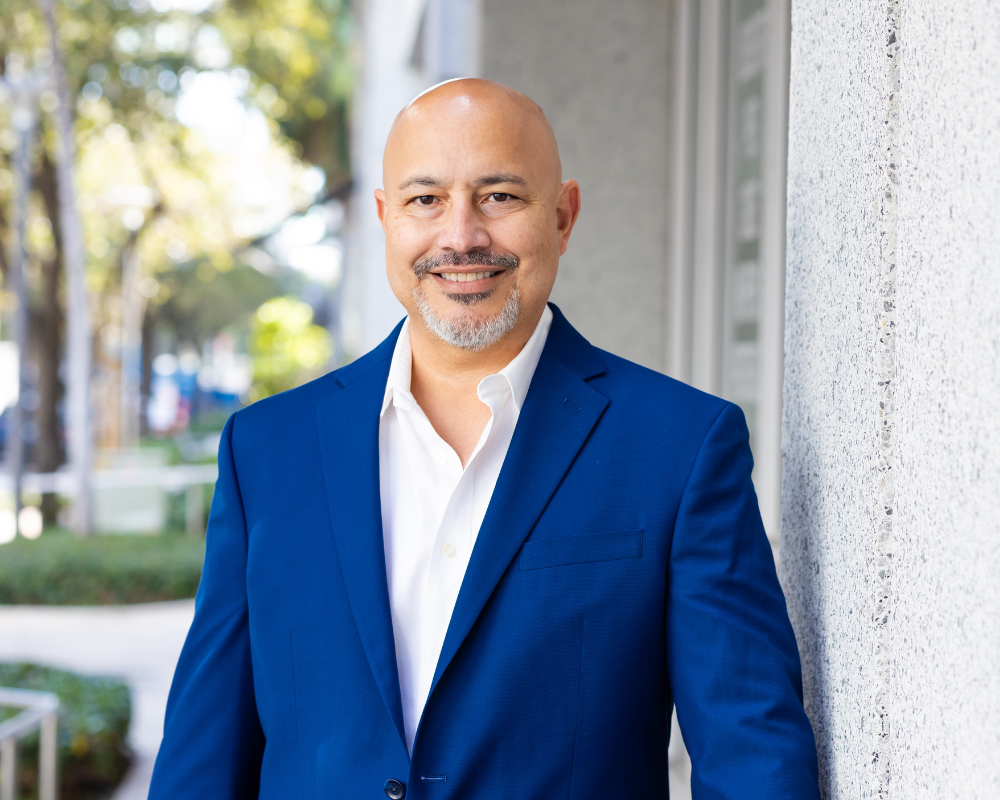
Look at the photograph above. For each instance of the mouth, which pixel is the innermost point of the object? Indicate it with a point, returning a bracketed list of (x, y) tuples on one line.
[(465, 282), (467, 277)]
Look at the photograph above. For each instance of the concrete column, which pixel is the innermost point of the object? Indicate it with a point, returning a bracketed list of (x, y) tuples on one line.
[(891, 431), (388, 80), (406, 46)]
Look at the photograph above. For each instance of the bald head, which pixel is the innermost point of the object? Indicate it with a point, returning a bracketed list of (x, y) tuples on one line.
[(486, 111), (476, 216)]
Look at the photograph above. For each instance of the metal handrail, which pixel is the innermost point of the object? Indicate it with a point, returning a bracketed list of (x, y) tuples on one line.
[(41, 711)]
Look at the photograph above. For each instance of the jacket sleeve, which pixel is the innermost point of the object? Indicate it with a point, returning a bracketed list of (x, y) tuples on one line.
[(733, 662), (212, 739)]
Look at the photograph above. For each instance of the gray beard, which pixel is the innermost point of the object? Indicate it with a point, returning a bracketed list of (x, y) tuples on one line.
[(468, 330)]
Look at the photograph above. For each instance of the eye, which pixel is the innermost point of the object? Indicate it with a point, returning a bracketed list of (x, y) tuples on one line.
[(500, 197), (426, 199)]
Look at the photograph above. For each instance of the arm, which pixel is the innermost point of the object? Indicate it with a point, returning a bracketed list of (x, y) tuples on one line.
[(212, 739), (732, 658)]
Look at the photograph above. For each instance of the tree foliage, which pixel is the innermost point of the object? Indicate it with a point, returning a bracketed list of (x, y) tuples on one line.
[(149, 179), (127, 64), (286, 347)]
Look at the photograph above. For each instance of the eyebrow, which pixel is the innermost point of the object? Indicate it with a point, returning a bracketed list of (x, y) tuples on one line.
[(486, 180), (502, 177), (420, 180)]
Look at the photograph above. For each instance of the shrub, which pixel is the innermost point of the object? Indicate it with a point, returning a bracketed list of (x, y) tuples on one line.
[(94, 717), (61, 569), (287, 349)]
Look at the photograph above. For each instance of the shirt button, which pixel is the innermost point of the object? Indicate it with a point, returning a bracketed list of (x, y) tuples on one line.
[(394, 789), (440, 459), (449, 550)]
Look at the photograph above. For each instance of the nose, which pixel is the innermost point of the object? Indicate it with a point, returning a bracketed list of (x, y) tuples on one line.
[(464, 228)]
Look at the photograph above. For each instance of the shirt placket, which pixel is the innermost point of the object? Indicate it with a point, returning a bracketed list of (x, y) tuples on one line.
[(451, 552), (447, 471)]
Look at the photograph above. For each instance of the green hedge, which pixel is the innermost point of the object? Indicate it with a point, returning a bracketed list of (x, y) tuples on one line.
[(93, 724), (61, 569)]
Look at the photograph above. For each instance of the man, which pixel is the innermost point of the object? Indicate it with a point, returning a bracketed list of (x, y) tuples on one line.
[(487, 558)]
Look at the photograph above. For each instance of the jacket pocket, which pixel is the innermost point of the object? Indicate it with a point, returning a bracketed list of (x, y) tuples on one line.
[(582, 549)]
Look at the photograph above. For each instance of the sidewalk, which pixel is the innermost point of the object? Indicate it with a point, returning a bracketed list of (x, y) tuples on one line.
[(139, 643)]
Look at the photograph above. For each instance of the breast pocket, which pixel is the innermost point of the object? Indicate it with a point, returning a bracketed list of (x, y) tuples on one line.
[(584, 548)]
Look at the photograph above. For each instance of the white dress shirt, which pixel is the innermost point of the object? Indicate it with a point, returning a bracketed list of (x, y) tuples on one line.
[(432, 508)]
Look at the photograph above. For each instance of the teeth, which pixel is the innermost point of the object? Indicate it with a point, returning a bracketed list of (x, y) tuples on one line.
[(461, 277)]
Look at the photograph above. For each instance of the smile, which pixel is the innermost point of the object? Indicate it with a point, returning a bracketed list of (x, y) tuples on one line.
[(462, 277)]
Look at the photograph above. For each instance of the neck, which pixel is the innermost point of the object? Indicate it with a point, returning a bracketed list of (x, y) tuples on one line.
[(435, 359), (444, 379)]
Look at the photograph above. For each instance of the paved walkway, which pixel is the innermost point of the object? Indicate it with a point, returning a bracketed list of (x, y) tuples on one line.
[(139, 643)]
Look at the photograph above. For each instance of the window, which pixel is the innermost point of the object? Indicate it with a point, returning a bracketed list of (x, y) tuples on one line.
[(728, 216)]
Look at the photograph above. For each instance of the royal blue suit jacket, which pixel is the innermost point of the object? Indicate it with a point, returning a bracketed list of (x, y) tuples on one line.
[(621, 568)]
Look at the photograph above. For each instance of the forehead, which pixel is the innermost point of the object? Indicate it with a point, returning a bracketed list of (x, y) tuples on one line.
[(461, 142)]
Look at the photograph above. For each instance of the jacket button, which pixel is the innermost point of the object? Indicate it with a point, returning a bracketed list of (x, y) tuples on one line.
[(394, 790)]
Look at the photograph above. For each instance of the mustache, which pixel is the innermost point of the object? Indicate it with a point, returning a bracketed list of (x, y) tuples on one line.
[(483, 258)]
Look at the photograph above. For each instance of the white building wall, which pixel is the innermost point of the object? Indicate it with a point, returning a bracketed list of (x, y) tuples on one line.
[(891, 514), (601, 72)]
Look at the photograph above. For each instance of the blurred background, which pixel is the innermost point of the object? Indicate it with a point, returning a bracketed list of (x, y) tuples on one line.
[(187, 226)]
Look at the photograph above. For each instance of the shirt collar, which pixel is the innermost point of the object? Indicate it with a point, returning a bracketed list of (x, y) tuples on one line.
[(397, 388), (518, 372)]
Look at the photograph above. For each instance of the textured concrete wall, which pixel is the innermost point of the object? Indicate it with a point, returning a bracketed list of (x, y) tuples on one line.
[(891, 439), (830, 397), (599, 69), (946, 678)]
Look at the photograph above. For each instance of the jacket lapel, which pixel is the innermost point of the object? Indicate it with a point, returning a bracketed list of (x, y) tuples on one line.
[(348, 427), (559, 412)]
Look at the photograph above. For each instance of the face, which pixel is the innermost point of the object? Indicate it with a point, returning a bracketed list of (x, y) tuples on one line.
[(475, 216)]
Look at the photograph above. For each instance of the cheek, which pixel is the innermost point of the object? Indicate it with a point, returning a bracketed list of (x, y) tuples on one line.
[(528, 235), (538, 248), (405, 243)]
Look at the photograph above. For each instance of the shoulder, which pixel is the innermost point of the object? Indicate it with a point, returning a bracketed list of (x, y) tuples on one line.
[(645, 408), (287, 413), (645, 390), (295, 410), (627, 385), (671, 427)]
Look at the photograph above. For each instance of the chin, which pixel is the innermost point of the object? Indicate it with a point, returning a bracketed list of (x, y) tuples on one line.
[(471, 299), (471, 321)]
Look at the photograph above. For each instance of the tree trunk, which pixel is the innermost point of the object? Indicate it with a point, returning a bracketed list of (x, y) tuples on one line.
[(146, 387), (47, 329), (78, 339), (3, 254)]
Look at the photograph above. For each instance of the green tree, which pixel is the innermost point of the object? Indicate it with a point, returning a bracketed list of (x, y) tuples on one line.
[(147, 182), (300, 54), (285, 346)]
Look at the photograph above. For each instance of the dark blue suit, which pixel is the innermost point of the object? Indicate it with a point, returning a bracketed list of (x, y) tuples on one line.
[(621, 568)]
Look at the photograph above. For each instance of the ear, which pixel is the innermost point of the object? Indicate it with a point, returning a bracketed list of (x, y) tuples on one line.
[(380, 206), (567, 211)]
